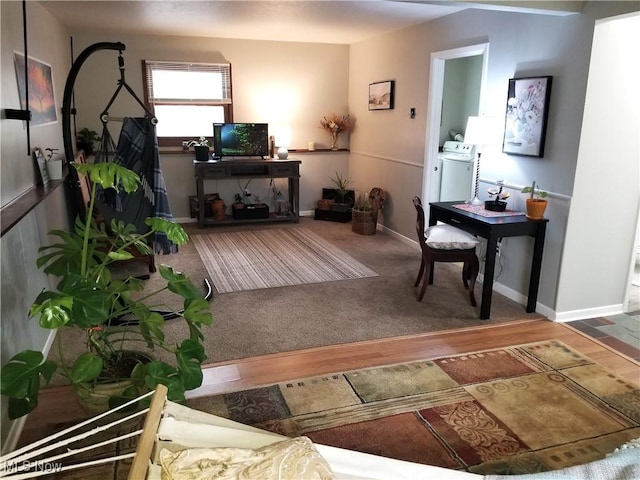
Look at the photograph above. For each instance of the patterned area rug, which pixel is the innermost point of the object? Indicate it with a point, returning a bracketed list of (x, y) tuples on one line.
[(250, 260), (521, 409)]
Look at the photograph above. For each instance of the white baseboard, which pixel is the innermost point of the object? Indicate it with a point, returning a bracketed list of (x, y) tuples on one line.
[(583, 314)]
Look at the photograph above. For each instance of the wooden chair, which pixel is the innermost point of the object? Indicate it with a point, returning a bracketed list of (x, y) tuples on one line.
[(445, 253)]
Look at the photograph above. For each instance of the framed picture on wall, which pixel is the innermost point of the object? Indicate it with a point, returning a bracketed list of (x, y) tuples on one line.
[(42, 103), (381, 95), (41, 165), (526, 117)]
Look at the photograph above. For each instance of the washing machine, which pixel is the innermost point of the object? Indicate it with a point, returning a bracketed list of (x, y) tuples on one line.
[(456, 163)]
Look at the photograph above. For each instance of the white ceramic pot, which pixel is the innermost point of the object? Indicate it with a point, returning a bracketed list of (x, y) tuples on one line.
[(54, 168)]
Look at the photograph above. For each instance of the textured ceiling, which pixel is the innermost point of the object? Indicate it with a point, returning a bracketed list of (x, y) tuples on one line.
[(340, 22)]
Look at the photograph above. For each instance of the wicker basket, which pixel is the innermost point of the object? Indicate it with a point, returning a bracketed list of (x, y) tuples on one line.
[(363, 223)]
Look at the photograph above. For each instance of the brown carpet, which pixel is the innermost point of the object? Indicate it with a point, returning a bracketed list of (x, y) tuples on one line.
[(282, 319), (521, 409)]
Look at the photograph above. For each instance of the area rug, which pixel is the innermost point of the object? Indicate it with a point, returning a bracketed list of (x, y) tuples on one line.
[(521, 409), (256, 259)]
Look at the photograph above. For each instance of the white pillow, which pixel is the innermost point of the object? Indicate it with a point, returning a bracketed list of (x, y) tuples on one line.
[(448, 237)]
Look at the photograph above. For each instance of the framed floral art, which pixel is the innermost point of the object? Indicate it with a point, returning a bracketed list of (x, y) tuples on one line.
[(526, 117)]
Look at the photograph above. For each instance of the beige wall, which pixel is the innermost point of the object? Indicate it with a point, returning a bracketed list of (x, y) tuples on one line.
[(281, 83), (21, 279), (389, 148)]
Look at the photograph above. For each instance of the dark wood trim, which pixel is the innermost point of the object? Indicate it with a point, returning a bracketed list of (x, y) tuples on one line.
[(19, 207)]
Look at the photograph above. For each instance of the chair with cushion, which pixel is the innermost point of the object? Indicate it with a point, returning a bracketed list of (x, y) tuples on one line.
[(445, 243)]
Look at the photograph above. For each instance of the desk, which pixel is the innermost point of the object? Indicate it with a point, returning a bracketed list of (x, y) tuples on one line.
[(227, 169), (493, 229)]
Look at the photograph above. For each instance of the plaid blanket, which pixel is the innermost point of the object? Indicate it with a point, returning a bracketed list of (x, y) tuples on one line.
[(138, 151)]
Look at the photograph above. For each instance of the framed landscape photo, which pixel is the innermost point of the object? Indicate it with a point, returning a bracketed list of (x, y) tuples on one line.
[(42, 103), (526, 117), (381, 95)]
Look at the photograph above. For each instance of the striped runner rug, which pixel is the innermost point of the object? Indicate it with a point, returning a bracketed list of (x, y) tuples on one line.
[(251, 260)]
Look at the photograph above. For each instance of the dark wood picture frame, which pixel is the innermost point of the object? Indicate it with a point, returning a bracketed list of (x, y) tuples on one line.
[(381, 95), (526, 116)]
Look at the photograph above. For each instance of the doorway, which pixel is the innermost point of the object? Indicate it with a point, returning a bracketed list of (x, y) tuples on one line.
[(431, 173)]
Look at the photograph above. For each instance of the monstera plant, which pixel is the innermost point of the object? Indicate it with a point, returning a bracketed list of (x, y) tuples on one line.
[(112, 310)]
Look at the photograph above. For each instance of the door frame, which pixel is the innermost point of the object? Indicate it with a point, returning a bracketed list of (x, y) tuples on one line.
[(434, 111)]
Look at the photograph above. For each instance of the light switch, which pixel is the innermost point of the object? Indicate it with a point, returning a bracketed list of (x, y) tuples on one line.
[(412, 113)]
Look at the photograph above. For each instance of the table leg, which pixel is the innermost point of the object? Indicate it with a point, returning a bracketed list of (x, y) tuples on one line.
[(536, 267), (489, 269), (200, 196)]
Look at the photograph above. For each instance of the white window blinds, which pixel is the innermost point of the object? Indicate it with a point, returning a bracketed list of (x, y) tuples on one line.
[(180, 83)]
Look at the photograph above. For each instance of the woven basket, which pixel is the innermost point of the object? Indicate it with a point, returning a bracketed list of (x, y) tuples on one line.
[(363, 223)]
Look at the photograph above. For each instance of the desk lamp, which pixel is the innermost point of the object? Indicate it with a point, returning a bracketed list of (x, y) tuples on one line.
[(481, 132)]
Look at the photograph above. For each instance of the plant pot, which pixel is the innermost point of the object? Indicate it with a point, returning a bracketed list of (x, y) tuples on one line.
[(536, 208), (218, 208), (324, 204), (494, 206), (202, 153), (95, 398), (54, 168), (362, 222)]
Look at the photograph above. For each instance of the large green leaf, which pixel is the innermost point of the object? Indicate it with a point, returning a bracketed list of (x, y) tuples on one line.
[(86, 368), (178, 283), (109, 175), (190, 356), (20, 377), (151, 325), (174, 231), (198, 311), (160, 372)]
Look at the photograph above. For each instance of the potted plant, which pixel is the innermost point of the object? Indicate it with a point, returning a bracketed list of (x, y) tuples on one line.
[(238, 201), (497, 204), (87, 140), (201, 147), (342, 202), (363, 216), (90, 298), (536, 203)]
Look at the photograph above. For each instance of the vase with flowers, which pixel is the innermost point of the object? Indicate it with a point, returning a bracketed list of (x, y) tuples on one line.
[(335, 124)]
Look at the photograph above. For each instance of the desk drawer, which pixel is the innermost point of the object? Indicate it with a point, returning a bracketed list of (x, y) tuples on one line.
[(213, 171), (284, 170)]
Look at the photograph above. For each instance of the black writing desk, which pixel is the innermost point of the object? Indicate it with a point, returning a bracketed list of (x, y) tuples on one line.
[(493, 229)]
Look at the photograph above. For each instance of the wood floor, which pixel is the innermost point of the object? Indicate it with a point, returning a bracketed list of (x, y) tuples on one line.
[(58, 405)]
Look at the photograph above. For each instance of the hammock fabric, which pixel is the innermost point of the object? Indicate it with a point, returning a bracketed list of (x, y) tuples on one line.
[(137, 150)]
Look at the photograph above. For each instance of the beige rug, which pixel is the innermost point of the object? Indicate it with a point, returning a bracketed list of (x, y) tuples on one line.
[(255, 259)]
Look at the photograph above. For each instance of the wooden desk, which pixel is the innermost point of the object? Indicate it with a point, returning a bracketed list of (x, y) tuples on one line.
[(228, 169), (494, 229)]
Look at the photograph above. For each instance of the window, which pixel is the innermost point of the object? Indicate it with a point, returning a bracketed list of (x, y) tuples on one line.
[(187, 98)]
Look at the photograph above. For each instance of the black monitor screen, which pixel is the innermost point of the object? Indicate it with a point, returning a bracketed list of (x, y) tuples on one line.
[(241, 139)]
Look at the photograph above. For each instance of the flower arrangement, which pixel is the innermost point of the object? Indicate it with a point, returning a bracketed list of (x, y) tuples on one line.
[(336, 124)]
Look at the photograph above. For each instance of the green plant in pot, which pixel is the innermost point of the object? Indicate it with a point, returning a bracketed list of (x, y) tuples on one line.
[(87, 140), (363, 216), (536, 203), (342, 202), (201, 147), (90, 299)]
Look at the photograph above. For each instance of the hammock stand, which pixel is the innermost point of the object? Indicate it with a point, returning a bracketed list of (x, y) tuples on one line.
[(73, 179)]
